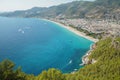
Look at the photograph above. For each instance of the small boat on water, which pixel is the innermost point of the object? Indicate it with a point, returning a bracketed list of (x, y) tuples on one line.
[(70, 61)]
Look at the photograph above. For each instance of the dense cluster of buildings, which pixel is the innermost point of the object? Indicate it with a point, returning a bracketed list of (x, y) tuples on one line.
[(93, 25)]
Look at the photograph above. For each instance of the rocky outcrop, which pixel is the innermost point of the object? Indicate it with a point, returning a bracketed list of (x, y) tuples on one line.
[(86, 59)]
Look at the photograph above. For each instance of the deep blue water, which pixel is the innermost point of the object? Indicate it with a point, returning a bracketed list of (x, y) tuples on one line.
[(38, 45)]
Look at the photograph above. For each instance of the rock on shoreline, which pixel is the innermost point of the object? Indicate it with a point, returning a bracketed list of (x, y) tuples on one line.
[(85, 59)]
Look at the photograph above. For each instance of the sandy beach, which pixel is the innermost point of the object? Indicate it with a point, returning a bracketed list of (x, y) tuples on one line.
[(81, 34), (75, 31)]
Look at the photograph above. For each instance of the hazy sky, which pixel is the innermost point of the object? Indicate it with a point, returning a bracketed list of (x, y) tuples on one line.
[(11, 5)]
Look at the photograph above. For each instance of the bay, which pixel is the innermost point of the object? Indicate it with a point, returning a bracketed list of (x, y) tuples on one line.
[(37, 45)]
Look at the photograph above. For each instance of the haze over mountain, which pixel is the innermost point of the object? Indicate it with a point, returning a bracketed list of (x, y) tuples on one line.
[(76, 9), (12, 5)]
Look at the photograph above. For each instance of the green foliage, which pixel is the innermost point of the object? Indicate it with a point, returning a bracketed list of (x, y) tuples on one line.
[(107, 67), (8, 73), (51, 74)]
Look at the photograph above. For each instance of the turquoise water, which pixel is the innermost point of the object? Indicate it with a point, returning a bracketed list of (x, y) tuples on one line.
[(38, 45)]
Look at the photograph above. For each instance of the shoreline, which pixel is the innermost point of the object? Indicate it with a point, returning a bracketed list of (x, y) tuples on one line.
[(85, 59), (81, 34)]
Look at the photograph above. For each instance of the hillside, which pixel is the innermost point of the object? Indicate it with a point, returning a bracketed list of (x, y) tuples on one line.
[(106, 53), (77, 9), (106, 67)]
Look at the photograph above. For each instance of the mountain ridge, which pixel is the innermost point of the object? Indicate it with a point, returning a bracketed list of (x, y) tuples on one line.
[(76, 9)]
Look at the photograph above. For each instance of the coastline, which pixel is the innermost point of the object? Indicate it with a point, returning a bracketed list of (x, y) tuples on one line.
[(85, 59), (81, 34)]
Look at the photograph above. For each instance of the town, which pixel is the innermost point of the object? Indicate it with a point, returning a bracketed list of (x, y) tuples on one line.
[(105, 27)]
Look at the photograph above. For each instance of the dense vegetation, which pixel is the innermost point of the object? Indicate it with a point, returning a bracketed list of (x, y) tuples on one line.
[(7, 71), (107, 67), (76, 9)]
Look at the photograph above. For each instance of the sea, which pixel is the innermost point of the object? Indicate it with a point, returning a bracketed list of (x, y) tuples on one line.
[(36, 45)]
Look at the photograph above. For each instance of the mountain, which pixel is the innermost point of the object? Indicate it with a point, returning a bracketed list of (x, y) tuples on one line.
[(76, 9), (69, 9), (104, 9), (24, 13)]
